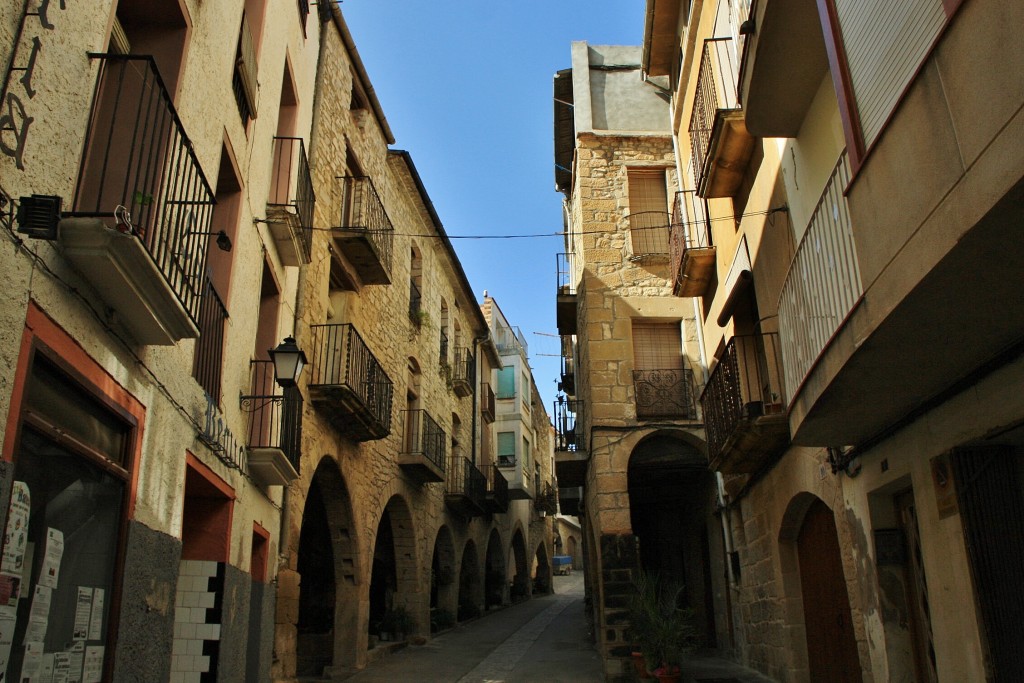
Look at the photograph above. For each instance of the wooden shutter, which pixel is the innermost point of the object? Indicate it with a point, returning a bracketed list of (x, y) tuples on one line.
[(648, 211), (657, 346)]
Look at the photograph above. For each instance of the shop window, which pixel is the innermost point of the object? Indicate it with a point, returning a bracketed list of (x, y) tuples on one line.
[(59, 570)]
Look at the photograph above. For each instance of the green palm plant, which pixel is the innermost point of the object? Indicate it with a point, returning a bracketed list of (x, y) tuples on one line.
[(658, 622)]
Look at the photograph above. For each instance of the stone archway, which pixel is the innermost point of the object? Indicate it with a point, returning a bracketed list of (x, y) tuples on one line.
[(572, 550), (444, 587), (671, 493), (328, 601), (494, 572), (469, 583), (521, 577), (393, 570), (542, 570)]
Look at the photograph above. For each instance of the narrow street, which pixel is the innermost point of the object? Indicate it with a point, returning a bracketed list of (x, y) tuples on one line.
[(544, 639)]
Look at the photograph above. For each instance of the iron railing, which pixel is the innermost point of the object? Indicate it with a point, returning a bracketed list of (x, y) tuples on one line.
[(497, 488), (746, 384), (546, 499), (648, 233), (415, 304), (275, 414), (465, 479), (566, 273), (363, 211), (568, 425), (209, 351), (340, 357), (423, 436), (823, 283), (241, 100), (291, 185), (140, 170), (487, 401), (690, 228), (568, 364), (665, 393), (464, 368), (716, 92), (509, 340)]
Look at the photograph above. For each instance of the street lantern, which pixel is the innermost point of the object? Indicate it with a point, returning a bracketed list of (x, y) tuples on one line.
[(288, 361)]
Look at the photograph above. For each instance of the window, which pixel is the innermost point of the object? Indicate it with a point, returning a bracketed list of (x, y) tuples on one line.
[(507, 382), (506, 449), (648, 211), (657, 346), (525, 384), (661, 380), (244, 80)]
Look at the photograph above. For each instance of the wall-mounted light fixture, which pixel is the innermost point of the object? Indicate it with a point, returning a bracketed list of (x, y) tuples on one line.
[(288, 361)]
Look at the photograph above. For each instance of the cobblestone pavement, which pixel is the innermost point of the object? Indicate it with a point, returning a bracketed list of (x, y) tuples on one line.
[(543, 639)]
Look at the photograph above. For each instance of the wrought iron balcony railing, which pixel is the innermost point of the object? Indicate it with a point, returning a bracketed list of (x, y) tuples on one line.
[(823, 283), (139, 170), (568, 426), (691, 253), (547, 498), (568, 362), (746, 385), (566, 279), (291, 188), (463, 371), (668, 393), (716, 92), (465, 485), (365, 231), (648, 233), (565, 298), (509, 340), (424, 437), (209, 352), (349, 383), (275, 414), (497, 490)]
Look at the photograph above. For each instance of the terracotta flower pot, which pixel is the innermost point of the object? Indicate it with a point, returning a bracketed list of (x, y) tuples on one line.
[(640, 664), (666, 675)]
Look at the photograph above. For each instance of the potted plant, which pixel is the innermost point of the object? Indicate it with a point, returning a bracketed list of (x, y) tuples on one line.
[(660, 625)]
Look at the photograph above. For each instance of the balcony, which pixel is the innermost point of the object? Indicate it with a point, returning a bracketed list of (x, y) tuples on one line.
[(648, 235), (424, 447), (365, 235), (140, 223), (463, 372), (209, 352), (719, 141), (348, 384), (823, 284), (486, 402), (744, 414), (668, 393), (465, 487), (567, 381), (275, 427), (690, 250), (497, 498), (571, 455), (546, 501), (290, 202), (509, 341), (519, 485), (570, 500), (565, 302)]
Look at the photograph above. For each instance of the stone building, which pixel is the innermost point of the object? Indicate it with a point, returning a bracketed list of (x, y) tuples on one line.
[(848, 232), (629, 429), (141, 146)]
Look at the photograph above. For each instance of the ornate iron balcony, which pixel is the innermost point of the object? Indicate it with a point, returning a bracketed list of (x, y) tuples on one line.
[(466, 486), (668, 393), (275, 414)]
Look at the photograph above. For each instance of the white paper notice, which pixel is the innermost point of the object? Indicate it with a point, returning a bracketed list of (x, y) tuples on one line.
[(52, 555), (32, 664), (96, 619), (75, 661), (46, 671), (8, 619), (10, 590), (61, 666), (83, 611), (39, 615), (93, 671), (16, 534)]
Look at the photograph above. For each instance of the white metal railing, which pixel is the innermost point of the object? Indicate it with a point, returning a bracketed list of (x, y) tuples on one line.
[(823, 283)]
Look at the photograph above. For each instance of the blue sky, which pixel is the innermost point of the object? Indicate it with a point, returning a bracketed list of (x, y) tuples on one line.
[(467, 90)]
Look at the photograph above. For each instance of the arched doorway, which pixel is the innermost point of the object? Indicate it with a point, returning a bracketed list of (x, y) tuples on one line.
[(542, 570), (521, 578), (393, 572), (671, 492), (573, 551), (831, 645), (328, 602), (443, 587), (494, 572), (469, 583)]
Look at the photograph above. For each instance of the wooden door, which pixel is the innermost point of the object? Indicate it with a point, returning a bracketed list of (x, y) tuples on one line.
[(831, 648)]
